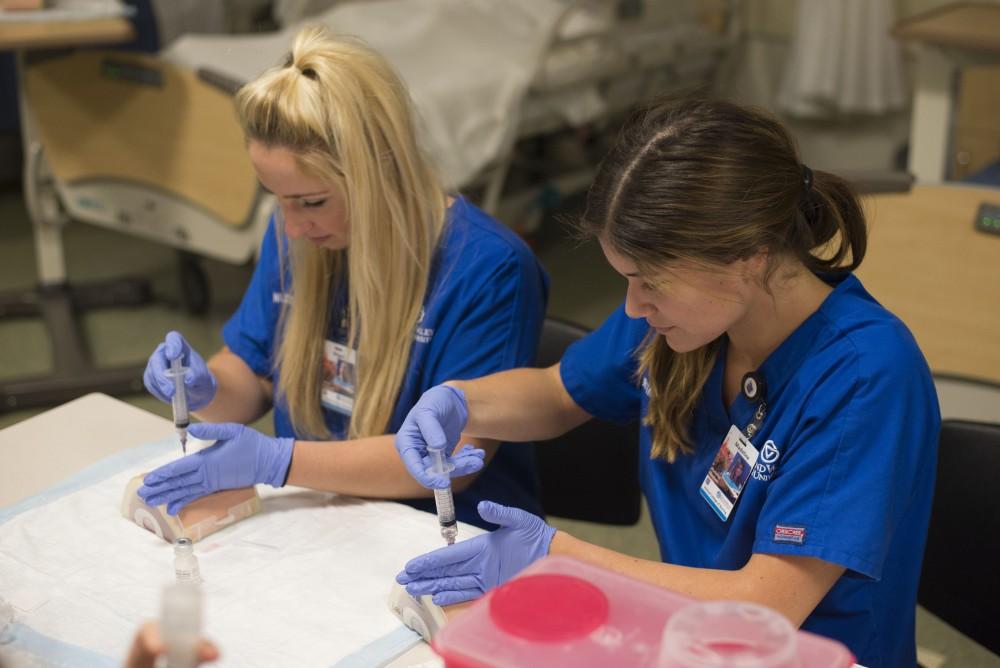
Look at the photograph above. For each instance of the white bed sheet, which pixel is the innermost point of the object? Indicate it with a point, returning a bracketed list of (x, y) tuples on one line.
[(477, 68), (467, 64)]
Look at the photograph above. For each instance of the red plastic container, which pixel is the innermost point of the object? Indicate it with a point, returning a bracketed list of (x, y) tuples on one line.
[(564, 612)]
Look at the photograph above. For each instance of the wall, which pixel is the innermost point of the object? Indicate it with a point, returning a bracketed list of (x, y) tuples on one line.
[(753, 75)]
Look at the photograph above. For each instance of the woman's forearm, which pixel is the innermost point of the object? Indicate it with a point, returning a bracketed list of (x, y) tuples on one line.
[(520, 405), (365, 467), (793, 586), (240, 396)]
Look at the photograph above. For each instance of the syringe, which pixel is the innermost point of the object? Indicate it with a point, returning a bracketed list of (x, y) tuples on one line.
[(179, 402), (442, 497)]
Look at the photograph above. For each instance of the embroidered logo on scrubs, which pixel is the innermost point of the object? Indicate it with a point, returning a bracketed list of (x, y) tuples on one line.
[(423, 334), (789, 534), (764, 468)]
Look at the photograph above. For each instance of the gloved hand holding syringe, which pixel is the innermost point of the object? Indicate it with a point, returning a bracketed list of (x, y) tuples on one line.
[(426, 439), (176, 374), (442, 497)]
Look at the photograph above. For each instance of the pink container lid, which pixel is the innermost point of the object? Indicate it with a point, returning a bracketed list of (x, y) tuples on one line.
[(563, 612), (549, 608)]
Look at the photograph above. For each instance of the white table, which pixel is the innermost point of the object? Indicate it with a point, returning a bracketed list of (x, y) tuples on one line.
[(46, 449)]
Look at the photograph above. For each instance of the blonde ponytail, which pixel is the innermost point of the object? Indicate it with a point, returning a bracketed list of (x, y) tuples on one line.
[(346, 115)]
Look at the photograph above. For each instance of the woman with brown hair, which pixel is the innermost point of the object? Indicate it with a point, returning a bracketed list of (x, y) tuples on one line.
[(789, 422)]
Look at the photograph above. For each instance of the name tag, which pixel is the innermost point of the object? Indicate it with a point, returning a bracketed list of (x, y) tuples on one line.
[(729, 472), (339, 377)]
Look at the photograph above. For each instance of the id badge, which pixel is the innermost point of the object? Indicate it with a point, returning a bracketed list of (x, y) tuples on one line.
[(729, 473), (339, 377)]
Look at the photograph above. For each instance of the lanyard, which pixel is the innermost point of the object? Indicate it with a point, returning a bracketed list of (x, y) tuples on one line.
[(755, 389)]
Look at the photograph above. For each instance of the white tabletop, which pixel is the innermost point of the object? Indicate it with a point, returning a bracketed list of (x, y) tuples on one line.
[(48, 448), (44, 450)]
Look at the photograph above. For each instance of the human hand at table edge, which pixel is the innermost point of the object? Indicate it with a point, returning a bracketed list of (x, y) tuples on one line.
[(466, 570), (240, 457), (148, 645)]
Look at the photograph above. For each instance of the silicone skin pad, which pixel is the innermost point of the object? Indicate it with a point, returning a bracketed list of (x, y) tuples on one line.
[(197, 520)]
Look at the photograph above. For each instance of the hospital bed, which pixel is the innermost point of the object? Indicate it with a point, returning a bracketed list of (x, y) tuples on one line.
[(149, 145)]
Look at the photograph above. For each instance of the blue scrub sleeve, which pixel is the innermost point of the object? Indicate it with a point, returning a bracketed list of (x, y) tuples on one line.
[(865, 452), (599, 370), (500, 325), (250, 332)]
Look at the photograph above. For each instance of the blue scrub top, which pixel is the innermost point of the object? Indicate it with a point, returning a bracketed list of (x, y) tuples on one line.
[(483, 313), (845, 474)]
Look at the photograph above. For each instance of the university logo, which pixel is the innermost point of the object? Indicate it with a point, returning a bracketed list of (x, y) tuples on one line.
[(769, 455), (423, 334)]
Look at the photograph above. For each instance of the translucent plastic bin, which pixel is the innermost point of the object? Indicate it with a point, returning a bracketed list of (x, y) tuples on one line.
[(563, 612)]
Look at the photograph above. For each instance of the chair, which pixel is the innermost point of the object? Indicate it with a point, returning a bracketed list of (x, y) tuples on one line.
[(959, 580), (74, 132), (601, 481)]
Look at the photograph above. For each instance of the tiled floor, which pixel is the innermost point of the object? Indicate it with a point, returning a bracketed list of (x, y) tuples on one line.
[(584, 290)]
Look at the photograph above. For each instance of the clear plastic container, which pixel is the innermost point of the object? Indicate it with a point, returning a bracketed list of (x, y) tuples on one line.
[(729, 634), (180, 624), (563, 612)]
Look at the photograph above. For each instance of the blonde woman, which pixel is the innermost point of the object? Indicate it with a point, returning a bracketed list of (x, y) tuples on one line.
[(373, 285), (789, 423)]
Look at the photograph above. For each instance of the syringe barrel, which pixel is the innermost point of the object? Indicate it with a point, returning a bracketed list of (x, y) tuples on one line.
[(181, 417), (443, 499), (445, 503), (179, 400)]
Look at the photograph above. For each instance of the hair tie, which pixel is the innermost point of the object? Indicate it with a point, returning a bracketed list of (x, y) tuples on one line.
[(807, 204)]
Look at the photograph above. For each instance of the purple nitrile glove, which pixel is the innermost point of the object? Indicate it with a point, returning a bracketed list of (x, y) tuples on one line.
[(198, 380), (240, 457), (466, 570), (437, 421)]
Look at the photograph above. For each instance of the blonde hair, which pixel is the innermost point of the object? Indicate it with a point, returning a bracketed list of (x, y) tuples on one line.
[(709, 182), (346, 115)]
